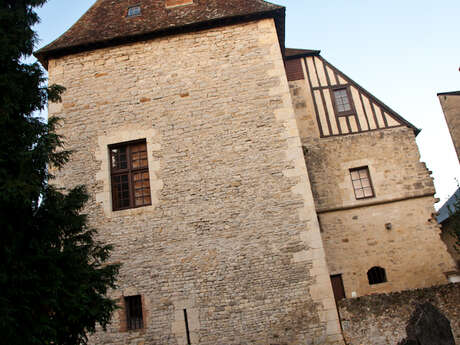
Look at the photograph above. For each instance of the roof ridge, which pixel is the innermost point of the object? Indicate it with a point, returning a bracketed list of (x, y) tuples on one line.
[(106, 22)]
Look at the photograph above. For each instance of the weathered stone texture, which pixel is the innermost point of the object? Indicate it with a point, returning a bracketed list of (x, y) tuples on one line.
[(451, 107), (411, 252), (382, 319), (232, 234), (391, 155), (354, 232)]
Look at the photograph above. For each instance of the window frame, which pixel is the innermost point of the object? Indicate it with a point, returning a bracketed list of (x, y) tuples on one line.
[(370, 182), (134, 323), (352, 110), (128, 15), (130, 171)]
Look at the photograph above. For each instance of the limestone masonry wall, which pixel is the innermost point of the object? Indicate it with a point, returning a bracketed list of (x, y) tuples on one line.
[(395, 229), (451, 107), (232, 235), (382, 319), (391, 155), (411, 252)]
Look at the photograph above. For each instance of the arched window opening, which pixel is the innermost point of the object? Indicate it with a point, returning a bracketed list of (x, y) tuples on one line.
[(376, 275)]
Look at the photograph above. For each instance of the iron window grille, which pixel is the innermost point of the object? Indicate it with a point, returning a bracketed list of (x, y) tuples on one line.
[(134, 317), (376, 275)]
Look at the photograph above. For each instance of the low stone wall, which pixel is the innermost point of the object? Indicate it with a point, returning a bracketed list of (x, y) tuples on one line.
[(382, 319)]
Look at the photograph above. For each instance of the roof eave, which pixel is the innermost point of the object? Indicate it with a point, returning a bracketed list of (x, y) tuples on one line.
[(451, 93), (306, 54), (44, 55)]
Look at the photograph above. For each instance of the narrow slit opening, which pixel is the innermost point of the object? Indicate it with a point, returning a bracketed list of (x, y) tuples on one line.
[(187, 330)]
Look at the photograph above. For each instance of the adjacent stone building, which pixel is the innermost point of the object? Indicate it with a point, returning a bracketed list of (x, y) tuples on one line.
[(450, 103), (231, 194), (373, 196)]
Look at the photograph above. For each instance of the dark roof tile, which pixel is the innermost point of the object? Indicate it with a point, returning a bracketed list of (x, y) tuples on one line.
[(106, 22)]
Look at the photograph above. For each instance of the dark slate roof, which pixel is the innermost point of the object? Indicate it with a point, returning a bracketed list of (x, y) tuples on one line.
[(293, 53), (443, 213), (106, 23), (452, 93)]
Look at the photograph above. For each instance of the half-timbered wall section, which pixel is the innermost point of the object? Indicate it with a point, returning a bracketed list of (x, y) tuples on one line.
[(341, 106), (373, 196)]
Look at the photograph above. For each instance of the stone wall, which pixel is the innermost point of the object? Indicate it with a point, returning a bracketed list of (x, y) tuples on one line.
[(451, 107), (411, 252), (392, 157), (395, 229), (382, 319), (232, 234)]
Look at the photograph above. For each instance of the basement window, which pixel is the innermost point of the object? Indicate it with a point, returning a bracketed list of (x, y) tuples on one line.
[(376, 275), (134, 317), (134, 11)]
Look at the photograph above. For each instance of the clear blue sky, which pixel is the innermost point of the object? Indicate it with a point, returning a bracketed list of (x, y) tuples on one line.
[(402, 51)]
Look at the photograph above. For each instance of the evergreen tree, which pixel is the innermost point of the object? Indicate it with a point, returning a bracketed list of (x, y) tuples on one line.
[(54, 275)]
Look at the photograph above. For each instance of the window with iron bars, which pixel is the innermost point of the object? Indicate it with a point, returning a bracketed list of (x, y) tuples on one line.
[(376, 275), (134, 315)]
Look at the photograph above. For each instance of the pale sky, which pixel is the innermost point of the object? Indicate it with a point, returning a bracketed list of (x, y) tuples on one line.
[(402, 51)]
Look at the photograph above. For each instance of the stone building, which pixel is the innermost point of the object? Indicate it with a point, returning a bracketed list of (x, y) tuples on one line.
[(450, 103), (373, 196), (231, 194), (448, 234)]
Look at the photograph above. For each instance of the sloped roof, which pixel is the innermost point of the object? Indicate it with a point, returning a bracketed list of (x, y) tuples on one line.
[(451, 93), (106, 23), (443, 213)]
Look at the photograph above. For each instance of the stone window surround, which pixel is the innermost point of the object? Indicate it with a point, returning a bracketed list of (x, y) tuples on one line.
[(360, 179), (346, 186), (102, 154), (120, 316)]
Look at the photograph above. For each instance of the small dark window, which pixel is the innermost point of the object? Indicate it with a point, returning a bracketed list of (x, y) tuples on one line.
[(342, 102), (362, 184), (134, 11), (130, 175), (133, 307), (376, 275)]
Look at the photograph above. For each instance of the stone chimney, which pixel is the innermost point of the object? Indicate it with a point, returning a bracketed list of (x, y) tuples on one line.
[(176, 3)]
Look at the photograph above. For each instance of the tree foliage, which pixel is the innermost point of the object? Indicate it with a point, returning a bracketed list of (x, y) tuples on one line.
[(54, 275)]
